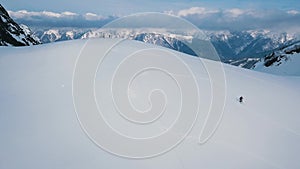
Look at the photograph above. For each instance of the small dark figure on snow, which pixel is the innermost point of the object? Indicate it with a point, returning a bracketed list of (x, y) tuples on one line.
[(241, 99)]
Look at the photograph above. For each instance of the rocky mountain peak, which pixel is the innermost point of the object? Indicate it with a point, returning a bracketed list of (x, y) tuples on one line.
[(13, 34)]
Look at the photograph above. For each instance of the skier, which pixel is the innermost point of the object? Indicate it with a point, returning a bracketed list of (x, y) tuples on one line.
[(241, 99)]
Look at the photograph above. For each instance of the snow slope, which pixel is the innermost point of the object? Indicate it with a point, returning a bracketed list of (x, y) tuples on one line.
[(39, 126)]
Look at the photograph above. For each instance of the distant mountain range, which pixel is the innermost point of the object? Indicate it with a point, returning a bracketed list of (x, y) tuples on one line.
[(239, 48), (13, 34)]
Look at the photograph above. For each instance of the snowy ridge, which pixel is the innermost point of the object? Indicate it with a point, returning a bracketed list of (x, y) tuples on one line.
[(284, 61)]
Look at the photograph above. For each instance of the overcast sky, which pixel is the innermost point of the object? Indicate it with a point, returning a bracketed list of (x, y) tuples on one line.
[(207, 14)]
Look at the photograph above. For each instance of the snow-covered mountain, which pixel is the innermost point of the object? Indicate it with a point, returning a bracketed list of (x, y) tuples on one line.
[(157, 37), (37, 110), (284, 61), (61, 34), (239, 48), (58, 34), (13, 34)]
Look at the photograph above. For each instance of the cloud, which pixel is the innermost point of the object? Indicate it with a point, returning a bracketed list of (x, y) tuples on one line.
[(235, 12), (63, 19), (29, 14), (241, 19), (196, 11), (67, 13), (205, 18), (293, 12), (92, 17)]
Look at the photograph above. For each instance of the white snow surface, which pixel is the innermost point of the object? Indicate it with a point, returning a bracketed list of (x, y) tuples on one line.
[(39, 127)]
